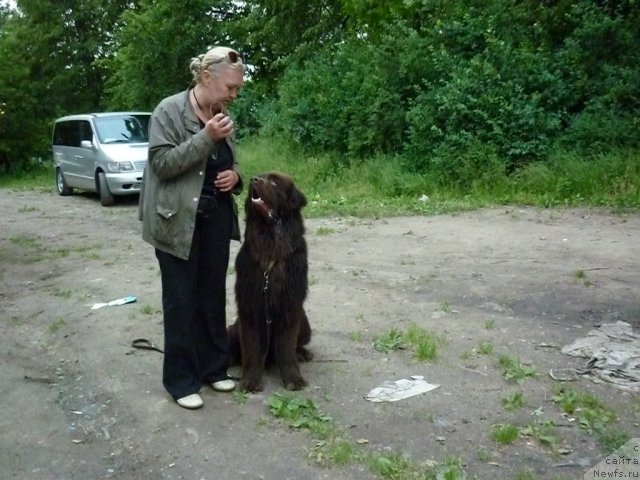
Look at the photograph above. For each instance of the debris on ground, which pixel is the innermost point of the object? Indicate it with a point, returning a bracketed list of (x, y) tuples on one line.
[(613, 350), (115, 303), (400, 389)]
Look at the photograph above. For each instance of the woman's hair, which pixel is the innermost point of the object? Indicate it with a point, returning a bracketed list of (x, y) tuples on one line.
[(215, 59)]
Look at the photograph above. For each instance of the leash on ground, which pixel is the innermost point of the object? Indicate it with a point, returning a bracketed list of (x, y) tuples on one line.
[(145, 344)]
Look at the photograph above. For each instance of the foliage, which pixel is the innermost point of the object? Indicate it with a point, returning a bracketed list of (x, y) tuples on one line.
[(514, 370), (334, 445), (277, 33), (379, 187), (38, 177), (392, 340), (422, 342), (298, 412), (467, 90), (156, 44), (592, 416), (52, 53), (513, 401), (505, 434), (461, 96)]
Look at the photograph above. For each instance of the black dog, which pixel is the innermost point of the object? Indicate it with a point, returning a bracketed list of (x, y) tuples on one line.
[(271, 284)]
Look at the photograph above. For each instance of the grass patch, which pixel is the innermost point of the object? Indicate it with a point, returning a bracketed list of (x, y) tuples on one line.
[(66, 293), (542, 430), (484, 455), (33, 251), (240, 397), (299, 413), (147, 309), (581, 276), (513, 401), (593, 417), (445, 307), (335, 448), (57, 325), (525, 475), (490, 324), (485, 348), (389, 466), (392, 340), (377, 187), (27, 209), (514, 370), (381, 186), (324, 231), (357, 336), (39, 177), (91, 255), (505, 433), (342, 452), (28, 243), (423, 343)]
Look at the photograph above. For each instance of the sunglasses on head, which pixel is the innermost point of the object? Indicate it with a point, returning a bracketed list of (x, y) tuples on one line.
[(231, 57)]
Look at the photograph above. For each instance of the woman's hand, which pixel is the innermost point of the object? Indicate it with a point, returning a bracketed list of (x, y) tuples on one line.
[(219, 127), (226, 180)]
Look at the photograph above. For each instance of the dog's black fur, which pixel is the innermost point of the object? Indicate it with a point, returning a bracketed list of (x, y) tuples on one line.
[(271, 284)]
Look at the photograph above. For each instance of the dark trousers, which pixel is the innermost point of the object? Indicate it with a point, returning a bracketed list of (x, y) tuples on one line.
[(196, 345)]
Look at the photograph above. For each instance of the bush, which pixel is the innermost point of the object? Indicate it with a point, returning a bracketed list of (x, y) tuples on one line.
[(470, 93)]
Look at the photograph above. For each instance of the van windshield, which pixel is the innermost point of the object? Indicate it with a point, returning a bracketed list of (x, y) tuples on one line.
[(123, 128)]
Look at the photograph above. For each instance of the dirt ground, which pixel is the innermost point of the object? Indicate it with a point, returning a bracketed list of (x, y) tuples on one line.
[(79, 403)]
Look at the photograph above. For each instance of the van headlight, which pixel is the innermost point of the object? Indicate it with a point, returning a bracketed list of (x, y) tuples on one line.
[(117, 167)]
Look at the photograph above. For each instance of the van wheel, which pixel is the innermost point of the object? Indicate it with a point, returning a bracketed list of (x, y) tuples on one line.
[(106, 197), (61, 184)]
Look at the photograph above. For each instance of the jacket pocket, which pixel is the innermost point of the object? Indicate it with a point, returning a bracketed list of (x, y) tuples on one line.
[(165, 226), (166, 213)]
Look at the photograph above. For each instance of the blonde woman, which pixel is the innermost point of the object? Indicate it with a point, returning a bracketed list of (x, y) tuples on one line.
[(189, 217)]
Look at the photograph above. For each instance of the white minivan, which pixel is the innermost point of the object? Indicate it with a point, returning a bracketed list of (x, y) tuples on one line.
[(101, 152)]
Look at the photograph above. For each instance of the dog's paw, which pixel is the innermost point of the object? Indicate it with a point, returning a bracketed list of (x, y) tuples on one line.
[(304, 355), (297, 383), (251, 385)]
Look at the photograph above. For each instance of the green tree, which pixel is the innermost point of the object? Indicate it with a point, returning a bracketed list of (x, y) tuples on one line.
[(274, 35), (156, 44), (458, 87), (54, 51)]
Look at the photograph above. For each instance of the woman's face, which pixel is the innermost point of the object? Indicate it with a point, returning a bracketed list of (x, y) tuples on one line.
[(223, 86)]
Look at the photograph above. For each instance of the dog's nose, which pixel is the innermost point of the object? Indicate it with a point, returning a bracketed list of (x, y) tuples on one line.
[(256, 179)]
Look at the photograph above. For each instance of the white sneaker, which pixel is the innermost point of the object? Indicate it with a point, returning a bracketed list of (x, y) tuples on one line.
[(191, 402), (226, 385)]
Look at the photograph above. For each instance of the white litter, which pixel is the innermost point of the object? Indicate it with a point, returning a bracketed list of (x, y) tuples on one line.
[(613, 351), (400, 389), (115, 303)]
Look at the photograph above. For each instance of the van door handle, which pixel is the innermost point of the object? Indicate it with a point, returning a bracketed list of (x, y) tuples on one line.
[(78, 156)]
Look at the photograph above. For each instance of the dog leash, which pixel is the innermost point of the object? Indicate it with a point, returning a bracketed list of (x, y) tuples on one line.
[(266, 308), (145, 344)]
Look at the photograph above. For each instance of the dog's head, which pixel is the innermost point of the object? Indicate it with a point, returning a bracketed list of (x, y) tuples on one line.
[(273, 196)]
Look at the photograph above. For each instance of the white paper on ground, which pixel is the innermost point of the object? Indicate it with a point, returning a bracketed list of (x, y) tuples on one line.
[(400, 389), (115, 303)]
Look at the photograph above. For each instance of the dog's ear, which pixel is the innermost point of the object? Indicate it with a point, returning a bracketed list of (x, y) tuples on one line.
[(297, 200)]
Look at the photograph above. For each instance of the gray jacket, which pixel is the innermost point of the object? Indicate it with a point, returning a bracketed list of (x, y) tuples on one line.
[(173, 178)]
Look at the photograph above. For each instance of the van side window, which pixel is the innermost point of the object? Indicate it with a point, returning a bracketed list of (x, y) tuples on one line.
[(86, 132), (70, 133), (67, 134)]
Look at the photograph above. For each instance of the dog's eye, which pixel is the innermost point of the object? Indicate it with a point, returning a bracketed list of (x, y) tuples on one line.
[(273, 183)]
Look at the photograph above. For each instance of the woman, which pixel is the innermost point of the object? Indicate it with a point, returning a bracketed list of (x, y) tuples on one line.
[(190, 218)]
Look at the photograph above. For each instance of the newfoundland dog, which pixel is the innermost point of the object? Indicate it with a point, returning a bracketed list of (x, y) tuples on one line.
[(271, 285)]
